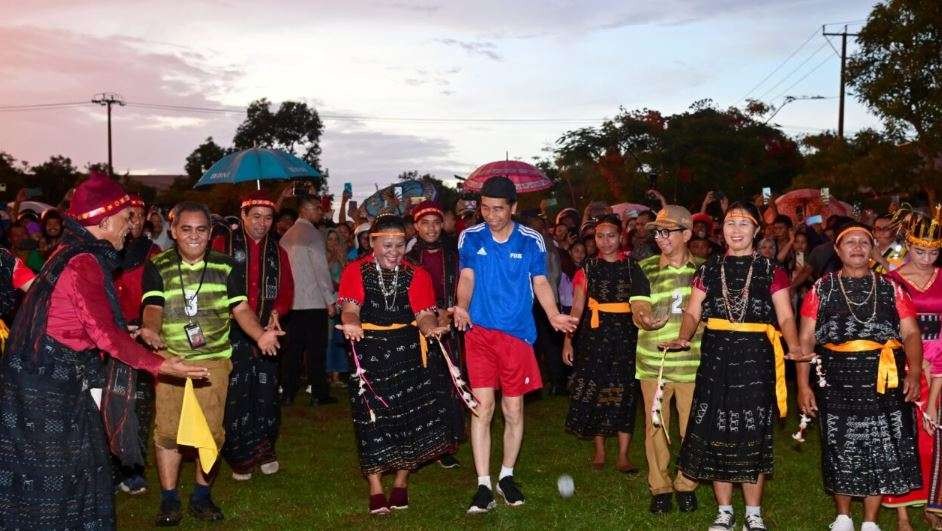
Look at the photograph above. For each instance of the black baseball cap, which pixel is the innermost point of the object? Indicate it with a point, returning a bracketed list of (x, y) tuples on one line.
[(500, 187)]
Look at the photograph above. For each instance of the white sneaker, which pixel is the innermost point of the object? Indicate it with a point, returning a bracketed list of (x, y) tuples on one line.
[(724, 521), (869, 526), (754, 522), (269, 468), (307, 389), (843, 523), (241, 477)]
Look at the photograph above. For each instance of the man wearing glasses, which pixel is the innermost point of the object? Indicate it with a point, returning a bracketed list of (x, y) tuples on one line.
[(658, 315), (887, 254)]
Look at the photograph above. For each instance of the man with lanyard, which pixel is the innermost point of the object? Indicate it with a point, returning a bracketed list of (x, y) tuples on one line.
[(128, 281), (191, 294), (503, 264), (314, 302), (437, 253), (658, 315), (253, 416)]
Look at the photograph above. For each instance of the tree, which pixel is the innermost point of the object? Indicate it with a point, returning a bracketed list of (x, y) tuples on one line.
[(11, 177), (295, 128), (202, 158), (897, 72), (55, 177)]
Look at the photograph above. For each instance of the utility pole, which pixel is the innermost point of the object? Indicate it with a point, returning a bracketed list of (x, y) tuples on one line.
[(843, 35), (108, 99)]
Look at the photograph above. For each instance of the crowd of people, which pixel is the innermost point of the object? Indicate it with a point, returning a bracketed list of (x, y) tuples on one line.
[(431, 315)]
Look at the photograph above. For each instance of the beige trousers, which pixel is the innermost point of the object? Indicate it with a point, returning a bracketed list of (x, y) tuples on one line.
[(656, 449)]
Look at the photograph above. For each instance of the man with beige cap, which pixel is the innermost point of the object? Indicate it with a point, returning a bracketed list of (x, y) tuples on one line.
[(658, 315)]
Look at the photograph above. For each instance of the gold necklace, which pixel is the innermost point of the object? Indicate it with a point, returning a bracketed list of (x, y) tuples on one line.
[(851, 304)]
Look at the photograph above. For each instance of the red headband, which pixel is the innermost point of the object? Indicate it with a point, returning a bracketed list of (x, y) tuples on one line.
[(249, 203)]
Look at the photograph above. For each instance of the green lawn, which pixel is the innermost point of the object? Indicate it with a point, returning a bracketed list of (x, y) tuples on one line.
[(319, 485)]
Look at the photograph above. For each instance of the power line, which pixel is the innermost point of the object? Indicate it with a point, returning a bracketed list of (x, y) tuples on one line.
[(794, 71), (777, 68), (819, 65), (41, 106)]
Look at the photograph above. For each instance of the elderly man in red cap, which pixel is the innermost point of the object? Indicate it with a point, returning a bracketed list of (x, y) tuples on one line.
[(67, 338), (128, 280), (437, 253), (253, 416)]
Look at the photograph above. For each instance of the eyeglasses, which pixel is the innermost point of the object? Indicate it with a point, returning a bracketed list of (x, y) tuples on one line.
[(665, 233)]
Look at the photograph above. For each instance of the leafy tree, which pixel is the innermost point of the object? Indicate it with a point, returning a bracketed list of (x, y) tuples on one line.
[(54, 177), (201, 159), (294, 127), (11, 175), (897, 72)]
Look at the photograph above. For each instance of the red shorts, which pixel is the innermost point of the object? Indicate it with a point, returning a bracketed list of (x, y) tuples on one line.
[(500, 361)]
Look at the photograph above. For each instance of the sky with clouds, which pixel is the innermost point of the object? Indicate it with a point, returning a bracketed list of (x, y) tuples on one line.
[(435, 86)]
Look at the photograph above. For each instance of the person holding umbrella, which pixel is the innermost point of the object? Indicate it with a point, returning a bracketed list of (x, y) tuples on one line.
[(503, 266)]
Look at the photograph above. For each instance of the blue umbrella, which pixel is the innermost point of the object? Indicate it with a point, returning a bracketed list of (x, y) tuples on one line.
[(257, 164)]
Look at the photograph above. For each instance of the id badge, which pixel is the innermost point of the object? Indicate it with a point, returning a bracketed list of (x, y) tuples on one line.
[(194, 334)]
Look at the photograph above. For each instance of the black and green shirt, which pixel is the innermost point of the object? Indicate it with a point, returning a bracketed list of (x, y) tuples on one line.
[(668, 296), (203, 293)]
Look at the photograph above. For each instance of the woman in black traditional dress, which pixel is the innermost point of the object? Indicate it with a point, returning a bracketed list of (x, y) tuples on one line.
[(865, 329), (399, 417), (741, 377), (604, 389)]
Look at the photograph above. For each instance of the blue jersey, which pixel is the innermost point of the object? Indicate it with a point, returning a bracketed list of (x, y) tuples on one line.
[(503, 278)]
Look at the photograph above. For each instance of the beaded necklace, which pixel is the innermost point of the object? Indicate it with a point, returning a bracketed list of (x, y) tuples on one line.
[(393, 289), (736, 301), (851, 304)]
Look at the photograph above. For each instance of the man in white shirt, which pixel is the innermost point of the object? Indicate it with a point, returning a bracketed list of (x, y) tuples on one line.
[(314, 302)]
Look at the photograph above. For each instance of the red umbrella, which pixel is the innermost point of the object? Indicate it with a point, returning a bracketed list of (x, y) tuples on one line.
[(526, 177), (809, 200)]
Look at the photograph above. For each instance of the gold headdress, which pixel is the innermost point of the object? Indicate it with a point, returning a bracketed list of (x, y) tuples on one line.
[(920, 229)]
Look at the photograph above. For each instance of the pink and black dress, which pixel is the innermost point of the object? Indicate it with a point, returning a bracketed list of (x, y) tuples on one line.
[(928, 303)]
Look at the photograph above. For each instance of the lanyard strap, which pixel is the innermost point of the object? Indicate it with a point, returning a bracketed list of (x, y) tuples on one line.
[(186, 300)]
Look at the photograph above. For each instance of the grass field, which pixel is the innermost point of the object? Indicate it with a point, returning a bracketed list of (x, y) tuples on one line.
[(319, 485)]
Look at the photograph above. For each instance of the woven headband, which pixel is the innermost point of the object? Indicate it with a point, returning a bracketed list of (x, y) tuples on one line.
[(428, 210), (743, 216), (923, 242), (249, 203), (105, 209), (387, 233), (137, 203), (853, 229)]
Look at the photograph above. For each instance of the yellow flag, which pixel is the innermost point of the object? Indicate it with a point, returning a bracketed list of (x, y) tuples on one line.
[(194, 430)]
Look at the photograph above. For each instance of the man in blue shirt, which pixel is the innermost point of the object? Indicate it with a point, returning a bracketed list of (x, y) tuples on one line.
[(503, 265)]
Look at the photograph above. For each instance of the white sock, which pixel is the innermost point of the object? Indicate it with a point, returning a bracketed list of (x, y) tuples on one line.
[(484, 480), (725, 508), (505, 471), (754, 510)]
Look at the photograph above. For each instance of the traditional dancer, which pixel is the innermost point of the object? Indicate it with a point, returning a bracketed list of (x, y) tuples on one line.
[(56, 463), (921, 279), (388, 309), (861, 323), (128, 281), (503, 265), (437, 253), (741, 377), (253, 415), (665, 375), (603, 401)]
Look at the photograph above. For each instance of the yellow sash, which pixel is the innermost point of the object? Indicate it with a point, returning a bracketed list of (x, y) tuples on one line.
[(887, 376), (194, 431), (423, 343), (781, 392), (4, 334), (607, 307)]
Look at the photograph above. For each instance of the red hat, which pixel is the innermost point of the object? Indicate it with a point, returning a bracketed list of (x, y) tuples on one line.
[(97, 198), (257, 198), (427, 208), (703, 217), (136, 201)]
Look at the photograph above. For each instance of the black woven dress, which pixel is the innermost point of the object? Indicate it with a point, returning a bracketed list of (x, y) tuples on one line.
[(729, 433), (604, 390), (413, 426), (868, 439)]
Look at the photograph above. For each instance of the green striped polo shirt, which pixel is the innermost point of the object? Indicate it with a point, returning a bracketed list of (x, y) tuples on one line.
[(669, 294), (167, 277)]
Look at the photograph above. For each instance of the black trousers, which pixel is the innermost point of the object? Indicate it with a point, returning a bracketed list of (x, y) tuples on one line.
[(307, 335), (549, 350)]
